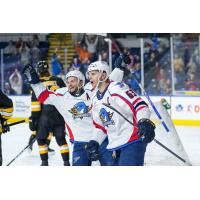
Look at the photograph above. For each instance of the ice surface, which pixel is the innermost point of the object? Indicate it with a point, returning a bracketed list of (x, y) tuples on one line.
[(14, 141)]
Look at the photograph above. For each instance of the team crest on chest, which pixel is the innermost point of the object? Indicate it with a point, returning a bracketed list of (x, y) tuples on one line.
[(80, 110), (106, 117)]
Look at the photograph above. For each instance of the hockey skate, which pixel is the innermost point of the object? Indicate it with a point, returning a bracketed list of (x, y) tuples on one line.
[(66, 163), (44, 163)]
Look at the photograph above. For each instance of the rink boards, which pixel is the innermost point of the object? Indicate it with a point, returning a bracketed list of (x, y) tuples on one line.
[(184, 110)]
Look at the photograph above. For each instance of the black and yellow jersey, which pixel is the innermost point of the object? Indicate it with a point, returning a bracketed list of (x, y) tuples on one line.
[(6, 106), (52, 83)]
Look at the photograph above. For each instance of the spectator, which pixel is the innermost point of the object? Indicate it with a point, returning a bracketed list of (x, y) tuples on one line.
[(25, 54), (16, 82), (104, 56), (8, 90), (178, 64), (35, 52), (191, 66), (84, 54), (56, 65), (18, 45), (35, 41), (191, 83), (91, 42), (186, 56), (75, 65), (10, 49)]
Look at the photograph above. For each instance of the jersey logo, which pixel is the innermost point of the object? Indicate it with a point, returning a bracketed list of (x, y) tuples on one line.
[(106, 117), (80, 110)]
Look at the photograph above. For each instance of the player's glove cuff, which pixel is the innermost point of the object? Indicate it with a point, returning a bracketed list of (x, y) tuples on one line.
[(31, 74), (146, 130), (92, 148)]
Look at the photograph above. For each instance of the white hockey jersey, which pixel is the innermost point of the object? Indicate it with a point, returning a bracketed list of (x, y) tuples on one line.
[(119, 131), (76, 111)]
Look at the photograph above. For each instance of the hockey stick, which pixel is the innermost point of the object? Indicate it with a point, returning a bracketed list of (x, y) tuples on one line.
[(156, 141), (15, 123), (21, 152), (152, 104), (8, 125)]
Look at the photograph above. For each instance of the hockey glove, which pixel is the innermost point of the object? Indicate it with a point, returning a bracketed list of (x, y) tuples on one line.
[(122, 61), (92, 149), (31, 74), (3, 125), (146, 130), (33, 124)]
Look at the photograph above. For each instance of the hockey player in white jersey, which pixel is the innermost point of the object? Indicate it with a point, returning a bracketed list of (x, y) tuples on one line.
[(81, 128), (75, 106), (127, 142)]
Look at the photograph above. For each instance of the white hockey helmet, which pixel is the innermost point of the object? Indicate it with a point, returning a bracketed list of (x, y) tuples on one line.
[(77, 74), (101, 66)]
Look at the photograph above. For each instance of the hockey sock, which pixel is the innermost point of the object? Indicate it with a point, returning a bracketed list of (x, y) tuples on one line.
[(43, 150), (64, 151)]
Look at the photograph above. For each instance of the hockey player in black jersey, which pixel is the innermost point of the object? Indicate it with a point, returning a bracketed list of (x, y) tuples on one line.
[(45, 119), (6, 110)]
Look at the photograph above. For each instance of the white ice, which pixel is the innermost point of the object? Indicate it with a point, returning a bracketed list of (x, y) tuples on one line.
[(15, 141)]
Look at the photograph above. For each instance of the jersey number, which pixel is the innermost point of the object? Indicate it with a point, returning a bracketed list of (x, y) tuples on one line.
[(130, 93)]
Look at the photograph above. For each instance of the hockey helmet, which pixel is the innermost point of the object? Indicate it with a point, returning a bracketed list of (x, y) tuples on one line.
[(77, 74), (42, 67), (100, 66)]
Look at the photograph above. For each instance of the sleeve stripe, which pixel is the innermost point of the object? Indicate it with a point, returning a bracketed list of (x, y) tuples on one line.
[(35, 103), (136, 100), (139, 104), (100, 127), (43, 96), (58, 94), (8, 110), (35, 109), (140, 108), (130, 105), (71, 136)]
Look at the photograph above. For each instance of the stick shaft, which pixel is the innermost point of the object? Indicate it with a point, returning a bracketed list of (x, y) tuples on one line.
[(156, 141)]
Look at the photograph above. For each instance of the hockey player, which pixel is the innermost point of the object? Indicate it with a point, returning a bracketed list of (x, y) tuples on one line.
[(6, 110), (45, 120), (128, 142), (75, 106), (81, 127)]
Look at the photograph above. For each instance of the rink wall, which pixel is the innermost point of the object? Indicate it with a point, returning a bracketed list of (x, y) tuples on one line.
[(184, 110)]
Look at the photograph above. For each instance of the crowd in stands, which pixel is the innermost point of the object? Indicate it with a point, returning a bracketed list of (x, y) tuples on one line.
[(16, 54), (157, 62), (186, 63)]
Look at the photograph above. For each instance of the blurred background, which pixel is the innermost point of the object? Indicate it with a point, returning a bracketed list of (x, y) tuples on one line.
[(165, 64)]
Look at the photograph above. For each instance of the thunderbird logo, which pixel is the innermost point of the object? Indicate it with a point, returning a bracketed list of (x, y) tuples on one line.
[(80, 110), (106, 117)]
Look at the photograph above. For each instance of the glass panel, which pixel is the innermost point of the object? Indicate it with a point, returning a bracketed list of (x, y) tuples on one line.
[(23, 49), (186, 63), (157, 65)]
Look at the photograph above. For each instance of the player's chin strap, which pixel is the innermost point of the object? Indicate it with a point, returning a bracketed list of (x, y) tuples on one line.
[(156, 141), (101, 81)]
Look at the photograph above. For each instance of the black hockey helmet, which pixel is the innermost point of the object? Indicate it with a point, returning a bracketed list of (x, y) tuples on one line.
[(42, 67)]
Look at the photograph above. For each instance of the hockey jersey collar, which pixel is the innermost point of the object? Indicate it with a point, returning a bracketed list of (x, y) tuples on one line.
[(101, 95), (77, 94)]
